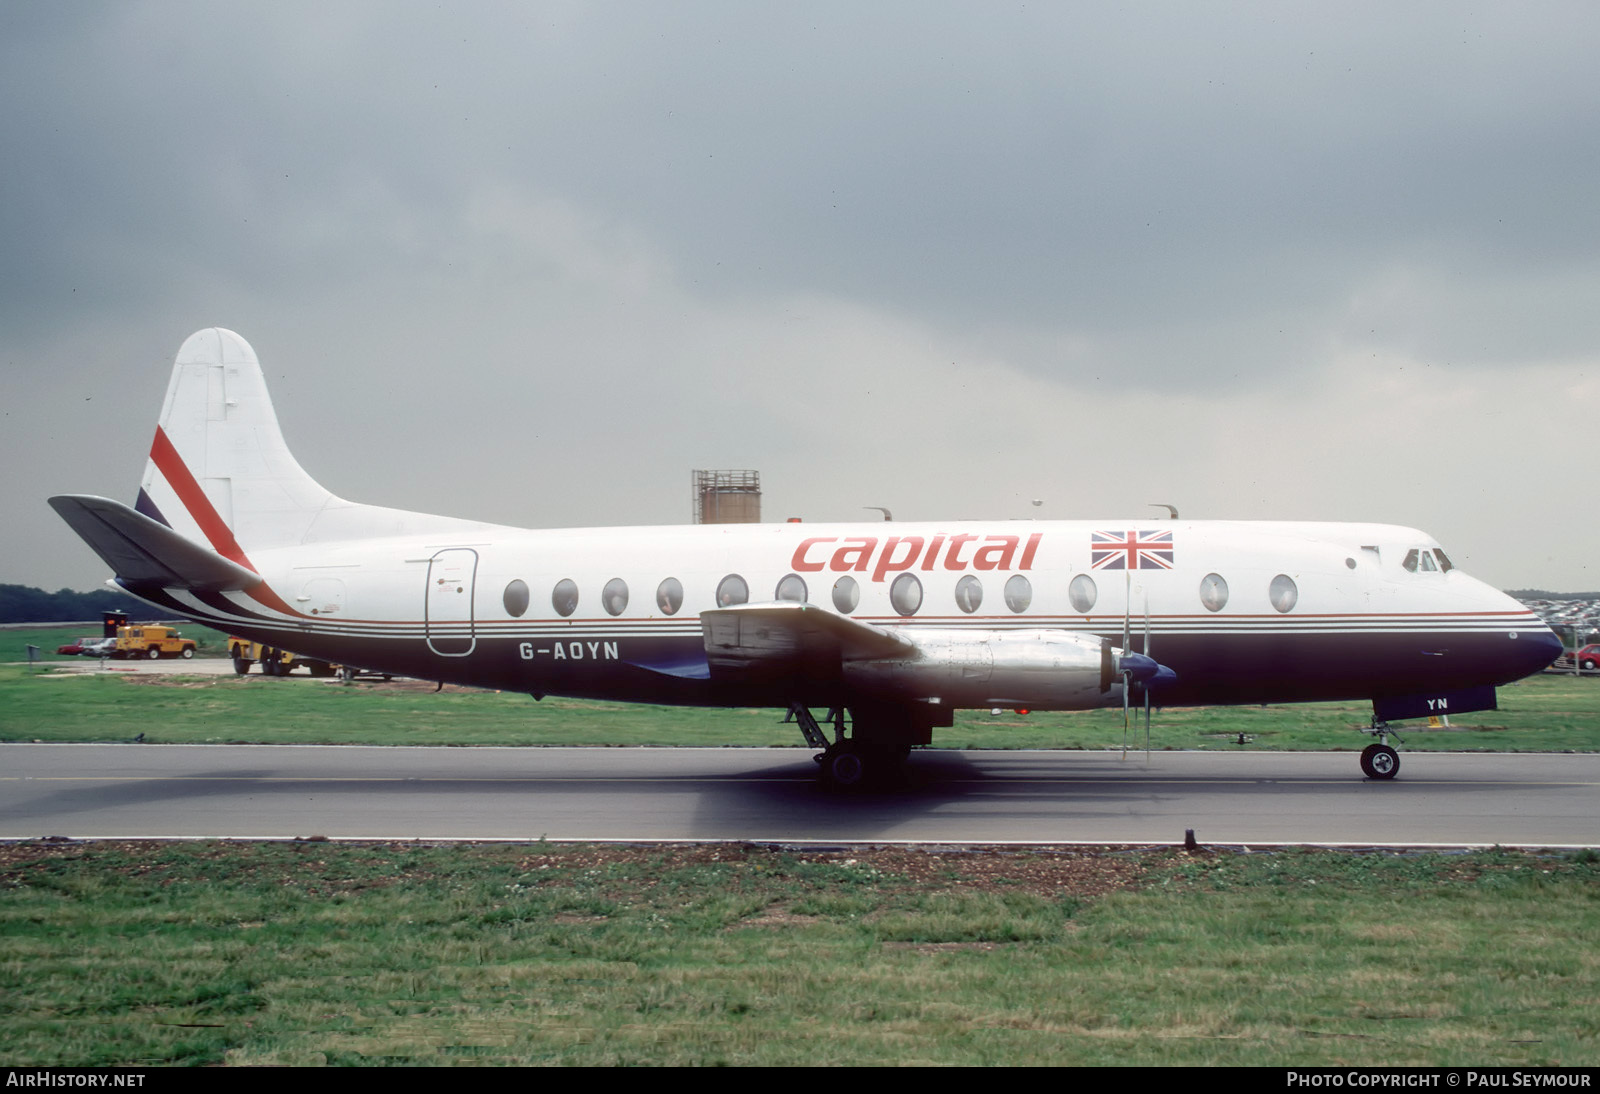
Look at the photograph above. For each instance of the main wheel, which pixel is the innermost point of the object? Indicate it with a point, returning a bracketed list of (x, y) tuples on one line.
[(845, 767), (1380, 762), (241, 665), (348, 672)]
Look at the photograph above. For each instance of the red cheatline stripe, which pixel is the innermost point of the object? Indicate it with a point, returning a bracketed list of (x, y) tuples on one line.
[(183, 483), (194, 499)]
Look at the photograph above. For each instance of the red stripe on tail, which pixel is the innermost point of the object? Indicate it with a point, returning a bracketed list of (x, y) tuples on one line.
[(194, 499)]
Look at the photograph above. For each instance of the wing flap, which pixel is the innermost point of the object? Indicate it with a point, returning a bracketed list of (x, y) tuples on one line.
[(142, 551)]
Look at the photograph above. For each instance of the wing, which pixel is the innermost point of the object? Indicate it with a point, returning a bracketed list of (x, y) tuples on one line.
[(798, 637)]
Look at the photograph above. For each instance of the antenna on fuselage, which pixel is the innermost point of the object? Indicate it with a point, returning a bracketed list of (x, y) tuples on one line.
[(1172, 509), (886, 514)]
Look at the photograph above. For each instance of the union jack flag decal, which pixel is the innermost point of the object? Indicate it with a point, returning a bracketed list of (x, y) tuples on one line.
[(1130, 550)]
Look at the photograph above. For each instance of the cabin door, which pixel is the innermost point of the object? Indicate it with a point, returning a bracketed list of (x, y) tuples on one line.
[(447, 618)]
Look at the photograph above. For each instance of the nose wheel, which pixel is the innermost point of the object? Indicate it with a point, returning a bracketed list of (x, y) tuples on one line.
[(1380, 762)]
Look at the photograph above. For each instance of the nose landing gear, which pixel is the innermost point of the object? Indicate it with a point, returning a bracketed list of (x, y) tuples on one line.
[(1379, 761)]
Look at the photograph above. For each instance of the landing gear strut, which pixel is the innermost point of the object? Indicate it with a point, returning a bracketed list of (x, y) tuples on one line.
[(1379, 761), (880, 740)]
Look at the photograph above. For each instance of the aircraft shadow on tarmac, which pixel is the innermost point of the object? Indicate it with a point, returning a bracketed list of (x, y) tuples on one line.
[(534, 796)]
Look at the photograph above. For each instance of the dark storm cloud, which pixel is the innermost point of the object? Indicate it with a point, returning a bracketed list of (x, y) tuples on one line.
[(733, 216), (1116, 172)]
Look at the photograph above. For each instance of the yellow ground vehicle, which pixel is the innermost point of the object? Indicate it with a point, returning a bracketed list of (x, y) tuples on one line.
[(274, 662), (152, 642)]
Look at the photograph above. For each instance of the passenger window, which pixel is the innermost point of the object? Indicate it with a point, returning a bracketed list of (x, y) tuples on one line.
[(732, 590), (906, 594), (669, 596), (1213, 592), (1082, 593), (1019, 593), (516, 598), (564, 598), (792, 588), (969, 594), (846, 594), (1283, 593), (614, 597)]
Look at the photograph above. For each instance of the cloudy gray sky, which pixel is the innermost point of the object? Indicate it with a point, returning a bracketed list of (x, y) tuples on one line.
[(532, 263)]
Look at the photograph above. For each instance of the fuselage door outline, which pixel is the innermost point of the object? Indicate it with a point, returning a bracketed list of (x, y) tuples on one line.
[(447, 602)]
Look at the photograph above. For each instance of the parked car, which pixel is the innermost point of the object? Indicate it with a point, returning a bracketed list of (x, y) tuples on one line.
[(1588, 657)]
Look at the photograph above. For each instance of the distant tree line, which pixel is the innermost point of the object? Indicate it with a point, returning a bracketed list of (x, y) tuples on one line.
[(1546, 594), (25, 604)]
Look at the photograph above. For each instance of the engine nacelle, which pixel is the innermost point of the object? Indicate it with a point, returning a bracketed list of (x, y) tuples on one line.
[(1037, 669)]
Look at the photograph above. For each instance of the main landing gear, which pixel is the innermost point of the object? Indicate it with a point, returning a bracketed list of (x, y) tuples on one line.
[(875, 751), (1379, 761)]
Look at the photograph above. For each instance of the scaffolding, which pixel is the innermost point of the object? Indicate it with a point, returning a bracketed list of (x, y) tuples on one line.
[(727, 497)]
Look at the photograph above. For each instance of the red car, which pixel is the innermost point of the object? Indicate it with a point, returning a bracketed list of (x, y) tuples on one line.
[(1589, 656), (74, 647)]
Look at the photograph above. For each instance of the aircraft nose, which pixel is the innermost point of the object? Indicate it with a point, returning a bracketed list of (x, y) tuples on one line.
[(1541, 648)]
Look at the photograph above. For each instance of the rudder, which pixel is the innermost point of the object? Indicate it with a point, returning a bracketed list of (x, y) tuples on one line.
[(219, 472)]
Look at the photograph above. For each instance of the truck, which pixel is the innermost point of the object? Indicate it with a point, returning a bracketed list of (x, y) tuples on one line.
[(274, 661), (149, 640)]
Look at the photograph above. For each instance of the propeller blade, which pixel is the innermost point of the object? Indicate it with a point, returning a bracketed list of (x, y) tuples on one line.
[(1126, 684), (1147, 727)]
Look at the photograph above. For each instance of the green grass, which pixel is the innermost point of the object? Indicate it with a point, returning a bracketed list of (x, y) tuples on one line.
[(135, 954), (1544, 713)]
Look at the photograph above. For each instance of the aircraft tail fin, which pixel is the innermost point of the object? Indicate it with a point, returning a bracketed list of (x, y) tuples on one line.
[(219, 472), (220, 475)]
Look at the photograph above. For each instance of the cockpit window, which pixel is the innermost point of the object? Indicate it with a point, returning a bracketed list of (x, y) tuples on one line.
[(1428, 560)]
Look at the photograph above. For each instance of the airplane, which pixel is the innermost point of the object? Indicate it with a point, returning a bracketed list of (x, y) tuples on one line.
[(896, 625)]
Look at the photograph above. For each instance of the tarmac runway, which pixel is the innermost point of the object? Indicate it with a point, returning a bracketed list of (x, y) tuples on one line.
[(772, 795)]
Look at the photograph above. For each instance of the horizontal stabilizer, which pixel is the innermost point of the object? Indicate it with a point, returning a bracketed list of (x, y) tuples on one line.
[(791, 634), (142, 551)]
